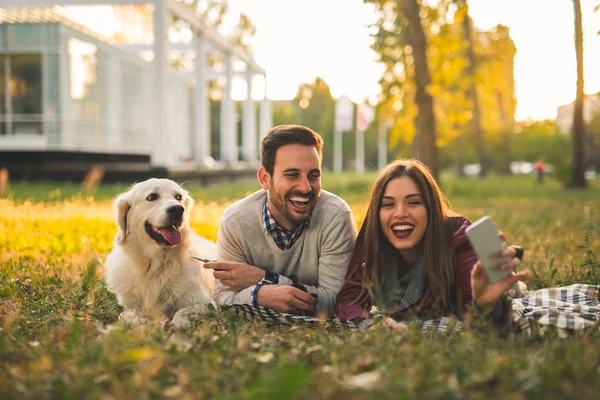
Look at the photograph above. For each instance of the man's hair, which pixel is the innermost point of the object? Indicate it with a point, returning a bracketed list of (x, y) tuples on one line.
[(287, 134)]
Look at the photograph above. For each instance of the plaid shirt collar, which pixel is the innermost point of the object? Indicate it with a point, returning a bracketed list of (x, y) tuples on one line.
[(283, 239)]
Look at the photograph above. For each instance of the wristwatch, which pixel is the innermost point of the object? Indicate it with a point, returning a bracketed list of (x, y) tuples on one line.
[(269, 279)]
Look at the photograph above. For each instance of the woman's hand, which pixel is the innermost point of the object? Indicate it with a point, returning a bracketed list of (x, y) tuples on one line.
[(486, 294)]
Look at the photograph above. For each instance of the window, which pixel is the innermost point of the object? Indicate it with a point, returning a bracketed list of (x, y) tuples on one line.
[(3, 96), (21, 110)]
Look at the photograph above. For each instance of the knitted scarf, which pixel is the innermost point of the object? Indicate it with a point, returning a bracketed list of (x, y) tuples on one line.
[(401, 287)]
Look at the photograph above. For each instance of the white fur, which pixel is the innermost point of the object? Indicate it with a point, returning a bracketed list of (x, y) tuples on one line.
[(151, 279)]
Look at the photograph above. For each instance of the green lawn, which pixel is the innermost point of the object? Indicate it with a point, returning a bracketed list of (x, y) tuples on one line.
[(59, 337)]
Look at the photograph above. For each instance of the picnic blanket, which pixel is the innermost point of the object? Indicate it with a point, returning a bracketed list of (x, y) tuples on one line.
[(567, 309)]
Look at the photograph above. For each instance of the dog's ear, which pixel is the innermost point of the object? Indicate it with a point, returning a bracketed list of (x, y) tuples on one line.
[(188, 203), (122, 206)]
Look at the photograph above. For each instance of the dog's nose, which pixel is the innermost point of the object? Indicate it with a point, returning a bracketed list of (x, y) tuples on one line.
[(175, 211)]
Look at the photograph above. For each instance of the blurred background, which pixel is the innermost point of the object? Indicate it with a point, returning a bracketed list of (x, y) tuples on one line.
[(187, 88)]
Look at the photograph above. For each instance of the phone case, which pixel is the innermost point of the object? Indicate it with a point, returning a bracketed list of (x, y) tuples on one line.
[(483, 236)]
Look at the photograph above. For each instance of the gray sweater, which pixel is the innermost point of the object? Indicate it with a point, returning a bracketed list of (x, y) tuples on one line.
[(318, 259)]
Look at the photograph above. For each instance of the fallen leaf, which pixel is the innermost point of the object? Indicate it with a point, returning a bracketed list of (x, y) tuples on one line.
[(173, 391), (264, 358), (101, 378), (366, 380), (314, 348), (45, 364)]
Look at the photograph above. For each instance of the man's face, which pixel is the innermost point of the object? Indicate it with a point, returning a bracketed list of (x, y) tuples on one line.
[(295, 184)]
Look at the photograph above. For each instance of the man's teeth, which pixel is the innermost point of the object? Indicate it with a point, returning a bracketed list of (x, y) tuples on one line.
[(299, 199), (403, 227)]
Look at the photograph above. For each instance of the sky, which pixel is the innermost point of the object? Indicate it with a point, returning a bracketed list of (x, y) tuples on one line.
[(298, 40)]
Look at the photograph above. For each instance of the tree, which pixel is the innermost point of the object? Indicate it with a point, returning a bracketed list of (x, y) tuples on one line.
[(470, 68), (494, 53), (406, 83), (314, 108), (578, 171), (424, 145)]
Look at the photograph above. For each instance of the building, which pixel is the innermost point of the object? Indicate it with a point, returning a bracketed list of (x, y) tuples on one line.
[(72, 97), (564, 115)]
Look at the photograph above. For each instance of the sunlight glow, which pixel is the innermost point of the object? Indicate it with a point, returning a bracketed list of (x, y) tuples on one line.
[(337, 49)]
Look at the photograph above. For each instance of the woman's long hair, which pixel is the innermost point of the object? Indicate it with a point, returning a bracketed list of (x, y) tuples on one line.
[(436, 243)]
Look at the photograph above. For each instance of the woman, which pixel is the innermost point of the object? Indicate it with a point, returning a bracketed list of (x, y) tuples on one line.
[(413, 258)]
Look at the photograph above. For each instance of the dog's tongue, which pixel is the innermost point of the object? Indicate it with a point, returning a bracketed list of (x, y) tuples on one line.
[(171, 235)]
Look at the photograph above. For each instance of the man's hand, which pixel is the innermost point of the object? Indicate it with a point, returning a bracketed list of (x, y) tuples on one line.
[(285, 298), (486, 294), (237, 276)]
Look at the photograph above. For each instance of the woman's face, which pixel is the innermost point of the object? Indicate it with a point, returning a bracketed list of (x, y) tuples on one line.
[(403, 217)]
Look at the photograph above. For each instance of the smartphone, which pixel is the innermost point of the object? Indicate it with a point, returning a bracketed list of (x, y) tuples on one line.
[(483, 236)]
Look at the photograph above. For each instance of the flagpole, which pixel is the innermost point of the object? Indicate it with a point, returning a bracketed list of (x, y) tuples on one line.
[(337, 150), (360, 151)]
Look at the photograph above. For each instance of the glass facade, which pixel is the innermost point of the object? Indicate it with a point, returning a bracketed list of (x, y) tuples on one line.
[(75, 92)]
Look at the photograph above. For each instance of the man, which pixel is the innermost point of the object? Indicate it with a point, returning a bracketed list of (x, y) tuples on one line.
[(285, 247)]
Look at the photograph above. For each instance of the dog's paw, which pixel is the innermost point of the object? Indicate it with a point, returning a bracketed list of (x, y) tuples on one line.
[(132, 318), (188, 316), (180, 320)]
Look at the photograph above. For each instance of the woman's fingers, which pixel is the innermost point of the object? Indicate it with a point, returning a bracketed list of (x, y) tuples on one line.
[(512, 252), (477, 270), (511, 265), (508, 251)]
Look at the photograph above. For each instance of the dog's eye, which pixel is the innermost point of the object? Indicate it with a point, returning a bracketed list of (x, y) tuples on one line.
[(152, 197), (178, 197)]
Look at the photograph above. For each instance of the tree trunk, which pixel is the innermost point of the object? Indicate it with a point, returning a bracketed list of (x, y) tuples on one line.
[(505, 167), (424, 144), (460, 156), (470, 70), (578, 177)]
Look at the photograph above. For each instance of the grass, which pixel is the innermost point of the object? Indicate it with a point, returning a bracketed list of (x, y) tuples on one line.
[(59, 337)]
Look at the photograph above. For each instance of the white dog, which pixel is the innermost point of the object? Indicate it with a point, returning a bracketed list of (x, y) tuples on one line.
[(150, 267)]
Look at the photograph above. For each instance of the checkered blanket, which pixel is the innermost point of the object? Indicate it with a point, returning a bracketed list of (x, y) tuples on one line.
[(568, 309), (249, 312)]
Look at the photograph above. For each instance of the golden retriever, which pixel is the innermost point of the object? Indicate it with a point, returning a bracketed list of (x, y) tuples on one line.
[(150, 268)]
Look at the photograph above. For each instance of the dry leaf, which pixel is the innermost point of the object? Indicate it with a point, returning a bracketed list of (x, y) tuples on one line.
[(101, 378), (173, 391), (314, 348), (45, 364), (264, 358), (366, 380)]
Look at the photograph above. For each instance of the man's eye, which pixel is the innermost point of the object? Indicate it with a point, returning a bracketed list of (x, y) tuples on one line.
[(178, 197), (152, 197)]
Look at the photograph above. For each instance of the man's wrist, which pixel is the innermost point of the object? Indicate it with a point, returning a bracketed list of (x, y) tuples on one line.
[(254, 294)]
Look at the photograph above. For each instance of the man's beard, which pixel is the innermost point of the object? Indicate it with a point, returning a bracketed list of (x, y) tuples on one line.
[(286, 210)]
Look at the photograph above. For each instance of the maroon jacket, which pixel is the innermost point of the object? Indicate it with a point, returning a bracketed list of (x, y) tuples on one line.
[(346, 307)]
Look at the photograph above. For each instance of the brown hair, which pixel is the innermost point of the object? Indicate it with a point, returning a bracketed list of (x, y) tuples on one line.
[(287, 134), (437, 240)]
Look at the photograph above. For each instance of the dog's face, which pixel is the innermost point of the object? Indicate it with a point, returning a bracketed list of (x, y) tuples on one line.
[(154, 211)]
